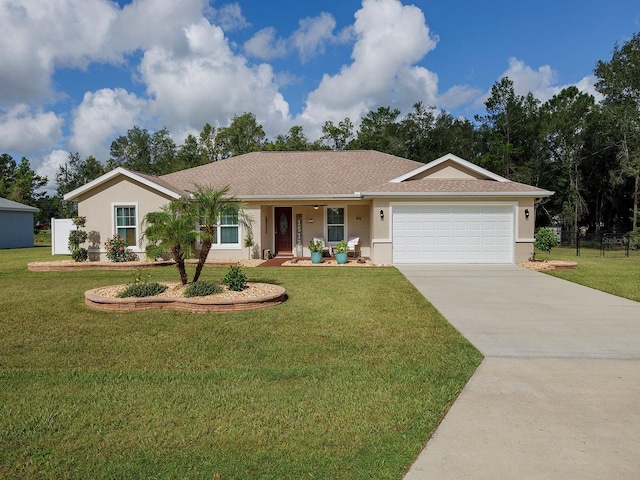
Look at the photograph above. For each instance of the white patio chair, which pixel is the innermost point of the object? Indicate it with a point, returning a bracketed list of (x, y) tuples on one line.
[(354, 246)]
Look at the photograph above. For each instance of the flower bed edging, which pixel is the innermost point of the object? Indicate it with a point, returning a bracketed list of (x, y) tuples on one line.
[(193, 304)]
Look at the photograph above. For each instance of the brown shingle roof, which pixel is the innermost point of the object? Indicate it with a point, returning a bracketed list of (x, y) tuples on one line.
[(315, 173), (330, 174)]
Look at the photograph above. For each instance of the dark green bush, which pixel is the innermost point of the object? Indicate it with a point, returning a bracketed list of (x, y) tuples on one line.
[(235, 279), (545, 240), (80, 254), (143, 289), (202, 289)]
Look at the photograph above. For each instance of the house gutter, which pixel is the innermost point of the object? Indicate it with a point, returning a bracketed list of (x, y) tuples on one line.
[(272, 198), (540, 194)]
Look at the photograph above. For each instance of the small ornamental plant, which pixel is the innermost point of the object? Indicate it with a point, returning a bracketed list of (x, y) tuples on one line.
[(202, 288), (316, 246), (116, 248), (77, 237), (142, 287), (341, 247), (545, 240), (235, 279)]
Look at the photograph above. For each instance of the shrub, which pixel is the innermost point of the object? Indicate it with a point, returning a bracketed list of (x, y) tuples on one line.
[(235, 279), (545, 240), (341, 247), (142, 289), (116, 248), (76, 237), (202, 289), (316, 246), (80, 254)]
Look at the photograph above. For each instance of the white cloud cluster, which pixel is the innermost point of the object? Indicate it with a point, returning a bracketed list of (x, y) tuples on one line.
[(390, 39), (38, 37), (101, 116), (209, 83), (27, 131), (309, 40)]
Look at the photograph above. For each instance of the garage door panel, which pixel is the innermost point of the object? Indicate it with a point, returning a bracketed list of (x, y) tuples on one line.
[(453, 234)]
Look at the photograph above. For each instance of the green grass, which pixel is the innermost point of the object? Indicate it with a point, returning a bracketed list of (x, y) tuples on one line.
[(613, 274), (345, 380)]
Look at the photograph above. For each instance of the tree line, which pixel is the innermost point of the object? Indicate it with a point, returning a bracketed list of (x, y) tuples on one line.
[(587, 151)]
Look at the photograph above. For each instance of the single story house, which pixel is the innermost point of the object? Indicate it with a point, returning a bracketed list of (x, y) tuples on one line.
[(17, 224), (401, 211)]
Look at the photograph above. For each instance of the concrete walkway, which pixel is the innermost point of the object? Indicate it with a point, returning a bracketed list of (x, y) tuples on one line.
[(558, 393)]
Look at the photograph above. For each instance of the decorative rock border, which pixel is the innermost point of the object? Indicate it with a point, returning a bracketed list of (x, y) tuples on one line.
[(70, 265), (193, 304), (549, 265)]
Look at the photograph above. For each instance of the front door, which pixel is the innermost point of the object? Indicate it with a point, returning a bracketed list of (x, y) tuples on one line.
[(283, 231)]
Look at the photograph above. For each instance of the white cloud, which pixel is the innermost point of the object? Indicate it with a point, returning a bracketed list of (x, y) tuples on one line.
[(309, 40), (145, 24), (264, 45), (313, 35), (26, 131), (38, 36), (101, 116), (230, 17), (390, 39), (49, 168), (209, 83)]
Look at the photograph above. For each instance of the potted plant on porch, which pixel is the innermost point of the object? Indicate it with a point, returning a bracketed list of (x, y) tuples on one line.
[(341, 250), (316, 247)]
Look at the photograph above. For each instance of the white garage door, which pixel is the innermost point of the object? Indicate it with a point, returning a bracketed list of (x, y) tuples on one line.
[(453, 234)]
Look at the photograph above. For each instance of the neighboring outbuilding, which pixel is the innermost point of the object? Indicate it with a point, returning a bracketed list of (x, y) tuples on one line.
[(16, 220), (400, 211)]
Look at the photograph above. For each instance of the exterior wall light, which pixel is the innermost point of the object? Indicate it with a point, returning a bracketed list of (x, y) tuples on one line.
[(526, 213), (381, 214)]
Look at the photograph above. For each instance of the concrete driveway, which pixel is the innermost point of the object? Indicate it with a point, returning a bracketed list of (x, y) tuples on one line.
[(558, 393)]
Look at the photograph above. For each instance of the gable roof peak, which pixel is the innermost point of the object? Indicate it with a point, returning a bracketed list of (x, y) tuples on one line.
[(478, 170)]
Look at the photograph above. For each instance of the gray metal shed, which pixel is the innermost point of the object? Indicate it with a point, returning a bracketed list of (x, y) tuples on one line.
[(16, 224)]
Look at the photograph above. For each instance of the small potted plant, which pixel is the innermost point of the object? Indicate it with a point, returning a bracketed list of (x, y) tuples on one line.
[(316, 247), (341, 250)]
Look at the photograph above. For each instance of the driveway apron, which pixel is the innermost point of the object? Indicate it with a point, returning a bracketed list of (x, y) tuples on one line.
[(558, 393)]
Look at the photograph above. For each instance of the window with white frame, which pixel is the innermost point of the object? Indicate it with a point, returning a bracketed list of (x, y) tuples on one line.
[(126, 225), (227, 232), (335, 225), (229, 229)]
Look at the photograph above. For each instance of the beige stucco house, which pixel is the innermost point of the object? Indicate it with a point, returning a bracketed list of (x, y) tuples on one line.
[(446, 211)]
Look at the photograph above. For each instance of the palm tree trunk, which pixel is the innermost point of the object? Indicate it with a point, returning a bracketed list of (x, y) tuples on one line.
[(204, 253), (179, 259)]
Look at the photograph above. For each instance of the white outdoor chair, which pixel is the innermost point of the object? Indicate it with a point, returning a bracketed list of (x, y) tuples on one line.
[(354, 246)]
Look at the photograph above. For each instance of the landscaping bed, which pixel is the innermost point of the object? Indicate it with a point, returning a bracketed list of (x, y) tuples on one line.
[(254, 296)]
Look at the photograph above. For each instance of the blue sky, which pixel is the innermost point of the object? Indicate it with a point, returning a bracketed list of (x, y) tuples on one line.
[(78, 73)]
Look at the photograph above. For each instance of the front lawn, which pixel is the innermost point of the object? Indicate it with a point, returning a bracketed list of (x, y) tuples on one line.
[(613, 274), (345, 380)]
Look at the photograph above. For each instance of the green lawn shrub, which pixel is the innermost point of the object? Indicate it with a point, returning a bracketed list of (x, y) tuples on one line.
[(202, 289), (142, 289), (235, 279)]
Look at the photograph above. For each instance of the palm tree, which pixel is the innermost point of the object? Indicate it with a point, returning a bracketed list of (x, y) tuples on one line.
[(206, 207), (170, 231)]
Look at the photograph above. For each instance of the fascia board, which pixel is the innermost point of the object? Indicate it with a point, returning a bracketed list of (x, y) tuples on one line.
[(114, 173)]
